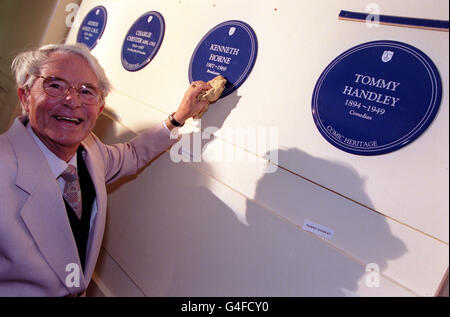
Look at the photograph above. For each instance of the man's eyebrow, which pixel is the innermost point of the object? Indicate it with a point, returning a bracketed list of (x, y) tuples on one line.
[(55, 77), (82, 83), (89, 84)]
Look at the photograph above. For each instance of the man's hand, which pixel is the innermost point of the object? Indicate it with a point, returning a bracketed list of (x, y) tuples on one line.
[(191, 105)]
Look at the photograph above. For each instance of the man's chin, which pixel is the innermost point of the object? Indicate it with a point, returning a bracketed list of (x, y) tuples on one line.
[(68, 142)]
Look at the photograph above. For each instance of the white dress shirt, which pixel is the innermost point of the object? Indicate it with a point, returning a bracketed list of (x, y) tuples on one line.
[(57, 166)]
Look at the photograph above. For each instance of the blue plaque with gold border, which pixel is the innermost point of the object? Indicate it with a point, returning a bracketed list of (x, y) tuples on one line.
[(142, 41), (229, 49), (376, 97), (92, 27)]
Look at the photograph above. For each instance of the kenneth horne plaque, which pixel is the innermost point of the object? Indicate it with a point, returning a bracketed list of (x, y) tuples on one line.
[(229, 49)]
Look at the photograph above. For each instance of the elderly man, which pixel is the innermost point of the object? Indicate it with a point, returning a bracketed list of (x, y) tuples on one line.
[(53, 171)]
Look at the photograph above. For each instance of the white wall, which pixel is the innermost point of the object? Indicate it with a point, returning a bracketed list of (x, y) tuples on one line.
[(24, 25), (227, 228)]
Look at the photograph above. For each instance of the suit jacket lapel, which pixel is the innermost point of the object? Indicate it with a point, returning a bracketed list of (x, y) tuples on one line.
[(44, 212), (94, 164)]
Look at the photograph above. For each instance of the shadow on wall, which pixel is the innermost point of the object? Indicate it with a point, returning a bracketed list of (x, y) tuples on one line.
[(174, 237)]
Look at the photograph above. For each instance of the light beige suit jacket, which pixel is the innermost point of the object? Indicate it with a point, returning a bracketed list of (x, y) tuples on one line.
[(38, 253)]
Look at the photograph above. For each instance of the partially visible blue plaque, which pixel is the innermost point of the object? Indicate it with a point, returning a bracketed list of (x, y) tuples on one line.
[(230, 50), (92, 27), (376, 97), (142, 41)]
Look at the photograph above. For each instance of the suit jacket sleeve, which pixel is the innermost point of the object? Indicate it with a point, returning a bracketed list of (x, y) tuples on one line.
[(127, 158)]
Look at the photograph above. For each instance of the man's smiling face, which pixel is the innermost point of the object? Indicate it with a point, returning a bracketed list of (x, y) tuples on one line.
[(62, 122)]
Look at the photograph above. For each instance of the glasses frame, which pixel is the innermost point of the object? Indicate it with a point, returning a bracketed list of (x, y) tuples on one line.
[(77, 89)]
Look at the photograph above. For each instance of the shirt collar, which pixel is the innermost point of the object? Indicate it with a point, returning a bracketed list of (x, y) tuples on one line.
[(56, 164)]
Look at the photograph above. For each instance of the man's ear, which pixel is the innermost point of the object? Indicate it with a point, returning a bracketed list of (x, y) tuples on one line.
[(24, 97), (100, 109)]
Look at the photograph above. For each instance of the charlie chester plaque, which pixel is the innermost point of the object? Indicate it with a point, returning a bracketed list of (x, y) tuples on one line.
[(229, 49), (92, 27), (142, 41), (376, 97)]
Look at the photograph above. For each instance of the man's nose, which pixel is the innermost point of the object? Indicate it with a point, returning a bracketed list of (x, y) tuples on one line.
[(72, 98)]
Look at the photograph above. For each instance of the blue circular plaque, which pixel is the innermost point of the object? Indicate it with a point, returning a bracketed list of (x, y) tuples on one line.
[(142, 41), (230, 50), (92, 27), (376, 97)]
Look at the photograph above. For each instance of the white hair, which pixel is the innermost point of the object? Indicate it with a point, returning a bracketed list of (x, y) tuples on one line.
[(30, 62)]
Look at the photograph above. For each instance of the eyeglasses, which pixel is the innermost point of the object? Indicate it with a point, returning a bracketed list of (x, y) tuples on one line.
[(58, 87)]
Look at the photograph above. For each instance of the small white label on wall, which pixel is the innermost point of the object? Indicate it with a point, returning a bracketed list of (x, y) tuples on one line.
[(315, 228)]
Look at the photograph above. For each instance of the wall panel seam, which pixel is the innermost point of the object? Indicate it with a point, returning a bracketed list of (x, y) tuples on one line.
[(288, 221), (295, 174), (123, 270)]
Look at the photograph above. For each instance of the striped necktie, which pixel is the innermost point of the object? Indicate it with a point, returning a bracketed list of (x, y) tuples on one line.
[(72, 191)]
